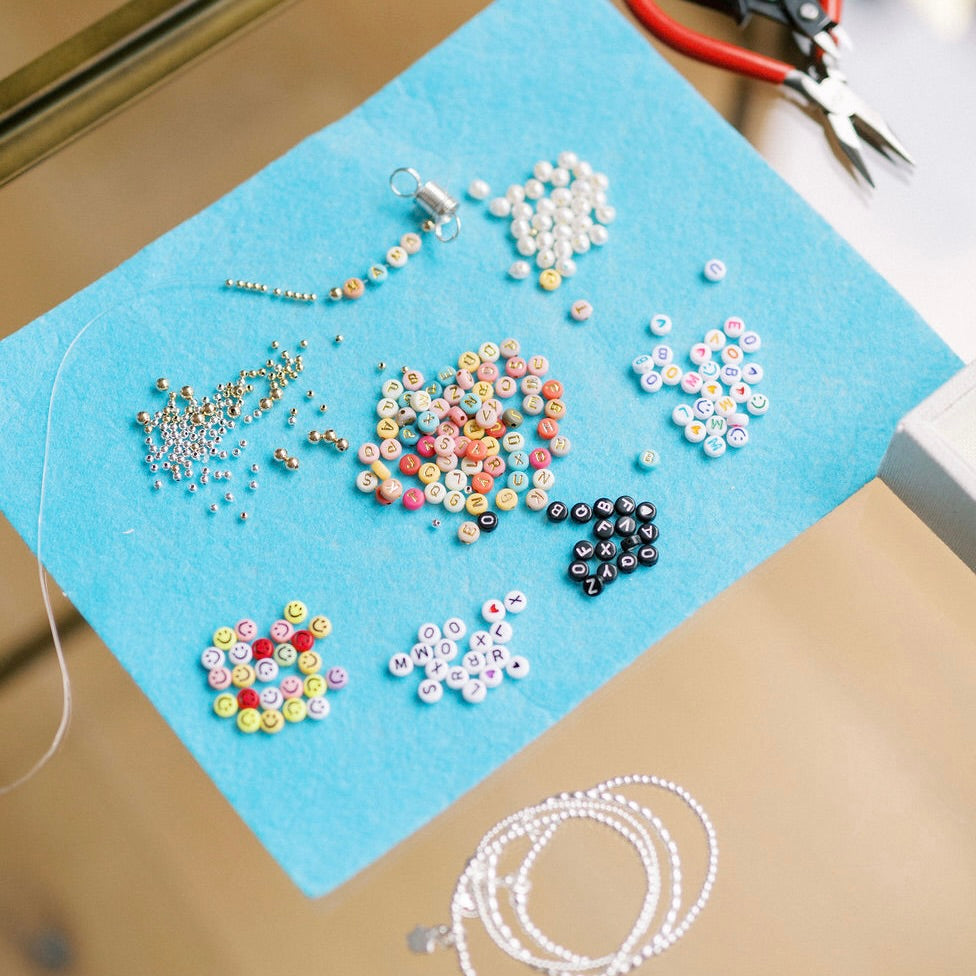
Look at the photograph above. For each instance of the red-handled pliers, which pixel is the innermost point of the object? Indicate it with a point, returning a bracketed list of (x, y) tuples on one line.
[(820, 83)]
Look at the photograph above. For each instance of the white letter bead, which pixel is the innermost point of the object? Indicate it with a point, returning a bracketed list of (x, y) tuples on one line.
[(497, 657), (421, 654), (714, 270), (732, 355), (560, 446), (474, 662), (740, 392), (501, 631), (493, 610), (699, 353), (651, 382), (401, 665), (717, 426), (478, 190), (437, 670), (492, 677), (455, 628), (691, 382), (435, 493), (662, 354), (499, 207), (752, 373), (715, 339), (474, 692), (428, 633), (714, 446), (454, 501), (682, 415), (515, 601), (671, 375), (367, 482), (750, 342), (642, 364), (660, 324), (517, 667), (430, 691), (648, 459), (738, 420), (695, 432), (734, 327), (446, 649), (480, 640), (457, 678), (536, 500)]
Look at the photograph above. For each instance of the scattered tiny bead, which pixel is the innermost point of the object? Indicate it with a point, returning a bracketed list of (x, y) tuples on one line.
[(581, 310), (714, 270), (338, 339)]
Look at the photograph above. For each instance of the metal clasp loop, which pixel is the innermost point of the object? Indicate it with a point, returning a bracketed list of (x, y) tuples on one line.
[(432, 198)]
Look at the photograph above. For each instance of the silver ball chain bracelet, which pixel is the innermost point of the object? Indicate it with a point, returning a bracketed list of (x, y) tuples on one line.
[(478, 888)]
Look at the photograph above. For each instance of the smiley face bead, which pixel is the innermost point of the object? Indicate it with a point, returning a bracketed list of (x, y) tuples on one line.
[(295, 612)]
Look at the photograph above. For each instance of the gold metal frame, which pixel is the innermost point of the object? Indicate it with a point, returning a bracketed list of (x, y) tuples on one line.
[(90, 76)]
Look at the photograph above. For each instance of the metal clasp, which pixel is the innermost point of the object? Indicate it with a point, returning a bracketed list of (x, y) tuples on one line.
[(432, 198)]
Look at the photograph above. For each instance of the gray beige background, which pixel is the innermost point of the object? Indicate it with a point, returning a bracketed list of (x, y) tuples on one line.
[(821, 708)]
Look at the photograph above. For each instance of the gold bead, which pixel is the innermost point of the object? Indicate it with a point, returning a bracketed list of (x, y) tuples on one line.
[(323, 407), (276, 393), (229, 282), (342, 444), (381, 366), (186, 392), (274, 345), (243, 516), (162, 383), (329, 436), (427, 226), (303, 345), (314, 437), (280, 454), (310, 394), (143, 417), (265, 403), (292, 464), (339, 338), (335, 294)]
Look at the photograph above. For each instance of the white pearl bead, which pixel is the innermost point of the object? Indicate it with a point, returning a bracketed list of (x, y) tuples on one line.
[(545, 258), (499, 207), (582, 224), (526, 246), (560, 176), (606, 214), (582, 168), (519, 270), (534, 189), (562, 248), (522, 211), (542, 222), (563, 230), (542, 170), (545, 206), (561, 196), (566, 267), (515, 194), (581, 206), (601, 180), (567, 159), (519, 228), (544, 239), (598, 235), (581, 243), (478, 190), (563, 215)]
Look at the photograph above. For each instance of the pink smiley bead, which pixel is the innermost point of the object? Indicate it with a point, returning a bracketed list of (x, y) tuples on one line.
[(281, 631), (219, 679), (292, 687), (246, 629)]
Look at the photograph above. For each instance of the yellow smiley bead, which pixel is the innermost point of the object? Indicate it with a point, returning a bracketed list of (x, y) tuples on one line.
[(309, 662), (294, 710), (225, 705), (243, 676), (272, 721), (315, 686), (224, 638), (295, 612), (506, 499), (469, 361), (550, 279), (248, 720), (320, 626), (476, 504)]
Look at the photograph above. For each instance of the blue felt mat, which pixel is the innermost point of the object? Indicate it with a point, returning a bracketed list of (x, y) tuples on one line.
[(155, 573)]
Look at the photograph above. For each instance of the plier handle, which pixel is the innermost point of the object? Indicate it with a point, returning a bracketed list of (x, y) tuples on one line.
[(821, 84)]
